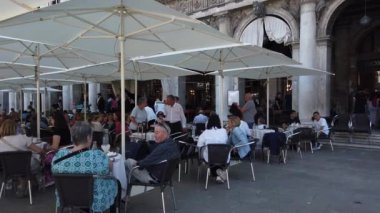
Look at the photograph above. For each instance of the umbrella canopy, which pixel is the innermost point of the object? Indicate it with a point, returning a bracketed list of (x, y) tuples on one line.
[(276, 71), (205, 60), (15, 70), (10, 8), (208, 60), (133, 28), (32, 89)]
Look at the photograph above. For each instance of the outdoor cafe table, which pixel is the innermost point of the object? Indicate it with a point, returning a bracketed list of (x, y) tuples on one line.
[(259, 134), (118, 170), (148, 136)]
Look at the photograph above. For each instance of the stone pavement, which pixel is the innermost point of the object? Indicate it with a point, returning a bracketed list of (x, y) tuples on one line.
[(346, 181)]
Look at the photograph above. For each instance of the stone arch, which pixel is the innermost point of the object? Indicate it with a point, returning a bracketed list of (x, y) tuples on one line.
[(285, 15), (328, 18), (359, 35)]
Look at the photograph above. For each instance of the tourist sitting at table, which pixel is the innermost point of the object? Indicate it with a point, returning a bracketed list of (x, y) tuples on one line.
[(293, 119), (96, 123), (214, 134), (166, 149), (245, 128), (10, 141), (117, 123), (160, 117), (82, 160), (138, 115), (237, 136), (61, 131), (321, 129), (261, 124)]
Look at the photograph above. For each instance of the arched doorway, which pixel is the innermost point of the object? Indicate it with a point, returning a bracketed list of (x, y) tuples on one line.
[(273, 33), (355, 55)]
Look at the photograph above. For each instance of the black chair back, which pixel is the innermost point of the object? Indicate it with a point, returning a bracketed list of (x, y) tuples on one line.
[(75, 190), (341, 123), (168, 168), (199, 128), (306, 133), (16, 163), (218, 154), (97, 136)]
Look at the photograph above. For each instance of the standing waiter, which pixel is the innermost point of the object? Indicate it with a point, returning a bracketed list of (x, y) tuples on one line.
[(175, 117)]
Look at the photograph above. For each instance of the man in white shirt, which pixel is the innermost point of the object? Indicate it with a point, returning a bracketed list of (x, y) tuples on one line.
[(138, 114), (321, 128), (175, 117)]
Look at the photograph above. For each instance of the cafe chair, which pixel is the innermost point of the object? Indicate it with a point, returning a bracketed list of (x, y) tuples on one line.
[(274, 143), (187, 152), (250, 156), (305, 135), (14, 165), (292, 140), (199, 128), (167, 168), (327, 140), (77, 191), (218, 155)]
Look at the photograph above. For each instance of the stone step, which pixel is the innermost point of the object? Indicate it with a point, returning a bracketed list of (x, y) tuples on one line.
[(364, 140)]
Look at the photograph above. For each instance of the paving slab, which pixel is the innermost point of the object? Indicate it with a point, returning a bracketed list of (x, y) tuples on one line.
[(343, 181)]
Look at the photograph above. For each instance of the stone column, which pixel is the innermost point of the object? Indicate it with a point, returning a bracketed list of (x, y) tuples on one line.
[(296, 57), (93, 90), (324, 63), (12, 101), (307, 85), (28, 97), (67, 97), (229, 83)]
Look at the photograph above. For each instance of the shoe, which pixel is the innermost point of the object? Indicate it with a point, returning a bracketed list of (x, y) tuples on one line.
[(219, 179), (320, 146), (222, 174)]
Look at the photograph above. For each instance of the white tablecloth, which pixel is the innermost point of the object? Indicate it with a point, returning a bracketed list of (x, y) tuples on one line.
[(118, 171), (259, 134), (149, 136)]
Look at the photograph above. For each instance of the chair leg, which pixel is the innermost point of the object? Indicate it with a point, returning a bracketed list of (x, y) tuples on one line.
[(179, 172), (283, 156), (199, 172), (207, 175), (253, 172), (311, 148), (228, 179), (299, 150), (163, 202), (186, 167), (30, 192), (332, 147), (268, 156), (173, 196), (2, 188)]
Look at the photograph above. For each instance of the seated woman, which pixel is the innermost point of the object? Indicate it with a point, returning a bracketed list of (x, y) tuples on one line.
[(9, 141), (214, 134), (237, 136), (87, 161), (61, 131)]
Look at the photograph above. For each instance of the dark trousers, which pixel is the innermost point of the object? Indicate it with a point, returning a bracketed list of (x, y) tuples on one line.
[(315, 139), (175, 127)]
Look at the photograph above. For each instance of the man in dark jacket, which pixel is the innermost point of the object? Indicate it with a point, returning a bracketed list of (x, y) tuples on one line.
[(166, 149), (101, 103)]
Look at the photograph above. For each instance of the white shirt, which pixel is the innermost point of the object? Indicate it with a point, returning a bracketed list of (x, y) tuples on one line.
[(139, 115), (321, 125), (212, 136), (174, 114), (159, 106), (150, 113), (244, 127)]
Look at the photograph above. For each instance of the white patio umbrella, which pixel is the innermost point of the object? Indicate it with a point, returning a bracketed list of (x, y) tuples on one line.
[(10, 8), (19, 56), (219, 59), (133, 28), (275, 71)]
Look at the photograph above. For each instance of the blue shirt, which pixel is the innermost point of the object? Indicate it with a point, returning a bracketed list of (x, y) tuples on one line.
[(238, 137), (200, 119)]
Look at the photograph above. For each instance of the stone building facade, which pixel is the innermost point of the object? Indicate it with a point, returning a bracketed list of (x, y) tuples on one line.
[(325, 34)]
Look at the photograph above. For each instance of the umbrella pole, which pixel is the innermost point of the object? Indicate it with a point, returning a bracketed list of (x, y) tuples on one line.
[(37, 79), (267, 102), (135, 90), (20, 105), (46, 99), (122, 83), (85, 100)]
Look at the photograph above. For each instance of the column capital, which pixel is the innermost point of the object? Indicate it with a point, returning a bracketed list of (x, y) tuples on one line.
[(221, 15)]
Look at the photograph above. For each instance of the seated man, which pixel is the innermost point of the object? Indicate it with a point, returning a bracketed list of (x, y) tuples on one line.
[(200, 122), (293, 119), (166, 149), (321, 128)]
